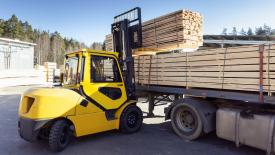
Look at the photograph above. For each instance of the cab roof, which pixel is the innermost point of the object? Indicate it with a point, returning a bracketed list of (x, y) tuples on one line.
[(84, 50)]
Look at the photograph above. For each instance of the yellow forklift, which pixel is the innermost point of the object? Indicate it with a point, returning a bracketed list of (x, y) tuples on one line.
[(97, 92)]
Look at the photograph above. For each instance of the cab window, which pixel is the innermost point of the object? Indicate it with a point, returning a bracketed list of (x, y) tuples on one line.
[(82, 69), (70, 76), (104, 69)]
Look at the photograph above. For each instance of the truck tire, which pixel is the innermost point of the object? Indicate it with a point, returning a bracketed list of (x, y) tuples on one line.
[(131, 119), (59, 136), (186, 121)]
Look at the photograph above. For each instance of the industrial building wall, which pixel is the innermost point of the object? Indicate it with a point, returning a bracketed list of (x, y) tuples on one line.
[(2, 65), (14, 56), (22, 58), (17, 64)]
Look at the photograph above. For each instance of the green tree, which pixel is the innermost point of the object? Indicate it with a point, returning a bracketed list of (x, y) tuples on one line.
[(96, 46), (260, 31), (14, 28), (104, 45), (267, 29), (263, 30), (28, 32), (243, 32), (249, 32), (234, 31), (42, 49), (224, 31), (55, 47), (2, 26), (36, 34)]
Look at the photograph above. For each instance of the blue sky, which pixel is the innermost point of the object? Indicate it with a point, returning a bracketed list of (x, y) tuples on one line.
[(90, 20)]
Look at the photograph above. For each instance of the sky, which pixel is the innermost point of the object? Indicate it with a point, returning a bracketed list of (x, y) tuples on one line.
[(90, 20)]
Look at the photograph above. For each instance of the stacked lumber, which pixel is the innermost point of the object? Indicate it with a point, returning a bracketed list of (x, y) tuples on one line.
[(50, 68), (177, 30), (236, 68), (180, 29), (109, 42)]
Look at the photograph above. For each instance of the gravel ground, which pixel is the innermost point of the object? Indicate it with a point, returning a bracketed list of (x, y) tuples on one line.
[(155, 138)]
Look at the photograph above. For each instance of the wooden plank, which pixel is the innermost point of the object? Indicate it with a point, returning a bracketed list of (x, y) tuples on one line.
[(174, 74), (167, 31), (209, 68), (238, 81), (237, 70)]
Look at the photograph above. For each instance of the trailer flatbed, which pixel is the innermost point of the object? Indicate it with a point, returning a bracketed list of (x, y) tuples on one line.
[(248, 97)]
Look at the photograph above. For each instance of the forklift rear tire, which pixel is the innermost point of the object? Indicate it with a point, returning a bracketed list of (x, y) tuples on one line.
[(131, 119), (59, 136), (186, 121)]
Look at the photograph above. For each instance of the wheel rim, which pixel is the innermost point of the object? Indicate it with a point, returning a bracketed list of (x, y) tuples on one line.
[(132, 119), (186, 120)]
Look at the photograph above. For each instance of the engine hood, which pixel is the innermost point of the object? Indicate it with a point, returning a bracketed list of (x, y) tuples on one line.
[(46, 103)]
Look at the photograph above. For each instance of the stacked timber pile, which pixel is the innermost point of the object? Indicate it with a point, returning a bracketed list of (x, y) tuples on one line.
[(178, 30), (50, 68), (237, 68), (109, 42)]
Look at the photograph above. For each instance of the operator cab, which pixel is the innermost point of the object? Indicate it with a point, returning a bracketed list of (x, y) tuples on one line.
[(97, 75)]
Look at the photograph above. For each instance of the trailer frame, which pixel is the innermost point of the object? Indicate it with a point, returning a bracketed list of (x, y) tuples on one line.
[(246, 97)]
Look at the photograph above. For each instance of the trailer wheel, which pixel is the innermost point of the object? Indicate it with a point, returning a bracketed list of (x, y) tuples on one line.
[(131, 119), (60, 135), (186, 121)]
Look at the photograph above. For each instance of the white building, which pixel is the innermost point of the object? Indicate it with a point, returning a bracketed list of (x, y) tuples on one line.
[(16, 55), (17, 64)]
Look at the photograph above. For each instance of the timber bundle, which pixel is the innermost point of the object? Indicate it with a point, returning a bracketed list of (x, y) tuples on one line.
[(180, 29), (245, 68), (109, 42), (177, 30)]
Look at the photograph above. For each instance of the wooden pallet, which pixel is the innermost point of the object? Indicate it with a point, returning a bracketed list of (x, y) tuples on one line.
[(236, 68)]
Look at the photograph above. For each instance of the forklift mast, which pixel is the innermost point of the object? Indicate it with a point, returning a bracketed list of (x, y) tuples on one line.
[(127, 35)]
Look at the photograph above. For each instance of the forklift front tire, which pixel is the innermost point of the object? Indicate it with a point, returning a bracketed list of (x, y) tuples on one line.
[(131, 119), (60, 135)]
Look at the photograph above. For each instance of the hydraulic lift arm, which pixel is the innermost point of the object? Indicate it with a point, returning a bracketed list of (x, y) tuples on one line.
[(127, 35)]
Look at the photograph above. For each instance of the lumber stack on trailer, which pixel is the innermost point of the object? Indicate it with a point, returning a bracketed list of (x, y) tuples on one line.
[(177, 30), (181, 29), (236, 68), (109, 42)]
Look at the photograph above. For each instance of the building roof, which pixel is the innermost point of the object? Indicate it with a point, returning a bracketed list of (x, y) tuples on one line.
[(16, 41)]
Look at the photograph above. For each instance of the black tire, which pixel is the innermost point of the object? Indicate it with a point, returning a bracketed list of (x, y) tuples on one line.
[(131, 119), (186, 121), (60, 135)]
